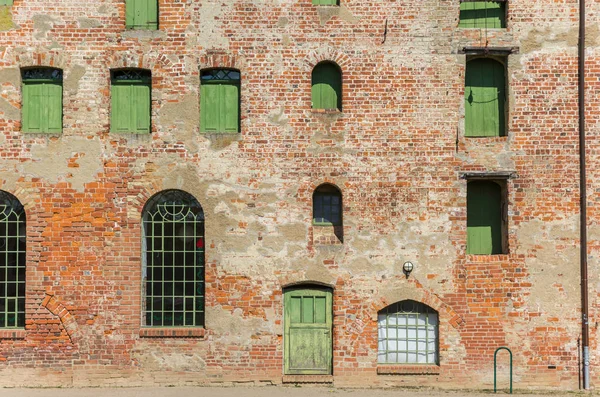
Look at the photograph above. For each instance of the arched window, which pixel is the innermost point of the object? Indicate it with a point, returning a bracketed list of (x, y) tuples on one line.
[(408, 334), (173, 245), (327, 86), (327, 206), (12, 262), (485, 208), (220, 100), (485, 97)]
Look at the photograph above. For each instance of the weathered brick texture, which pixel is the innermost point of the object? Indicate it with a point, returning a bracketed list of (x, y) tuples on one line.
[(396, 152)]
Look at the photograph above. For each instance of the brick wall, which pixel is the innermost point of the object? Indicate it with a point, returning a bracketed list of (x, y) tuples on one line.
[(396, 152)]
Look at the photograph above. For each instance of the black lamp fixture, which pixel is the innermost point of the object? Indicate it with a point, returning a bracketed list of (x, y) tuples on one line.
[(407, 268)]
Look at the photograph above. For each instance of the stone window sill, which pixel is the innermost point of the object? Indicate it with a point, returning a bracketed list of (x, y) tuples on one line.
[(326, 111), (173, 332), (482, 258), (400, 369), (12, 333)]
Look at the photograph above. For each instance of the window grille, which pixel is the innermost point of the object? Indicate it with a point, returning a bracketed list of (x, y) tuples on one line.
[(174, 260), (408, 334), (12, 262), (327, 206)]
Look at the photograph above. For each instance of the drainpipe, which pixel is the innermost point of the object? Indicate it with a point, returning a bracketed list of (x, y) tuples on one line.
[(583, 202)]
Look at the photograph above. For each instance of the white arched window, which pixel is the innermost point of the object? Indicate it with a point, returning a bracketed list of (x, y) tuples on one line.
[(407, 334)]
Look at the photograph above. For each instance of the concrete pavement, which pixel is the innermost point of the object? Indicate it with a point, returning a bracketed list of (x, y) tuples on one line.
[(262, 391)]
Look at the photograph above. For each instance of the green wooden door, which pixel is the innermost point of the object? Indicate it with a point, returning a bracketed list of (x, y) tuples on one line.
[(484, 98), (308, 331), (484, 218)]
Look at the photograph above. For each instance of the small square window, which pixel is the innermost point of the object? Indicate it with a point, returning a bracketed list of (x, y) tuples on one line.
[(141, 14), (482, 14)]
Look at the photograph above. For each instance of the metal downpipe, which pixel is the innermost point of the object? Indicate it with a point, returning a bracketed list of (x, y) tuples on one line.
[(583, 202)]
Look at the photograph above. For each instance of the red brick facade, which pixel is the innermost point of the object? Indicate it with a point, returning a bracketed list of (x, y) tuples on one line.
[(397, 152)]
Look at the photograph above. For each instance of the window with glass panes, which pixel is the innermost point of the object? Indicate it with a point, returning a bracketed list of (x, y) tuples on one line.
[(141, 14), (482, 14), (173, 243), (12, 262), (326, 82), (130, 101), (220, 100), (327, 206), (42, 100), (407, 334)]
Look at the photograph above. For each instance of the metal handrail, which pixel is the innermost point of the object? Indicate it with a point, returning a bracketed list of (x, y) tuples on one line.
[(511, 367)]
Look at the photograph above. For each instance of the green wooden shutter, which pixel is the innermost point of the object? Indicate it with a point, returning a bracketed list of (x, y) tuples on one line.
[(141, 105), (141, 14), (325, 2), (484, 218), (6, 2), (130, 13), (484, 98), (121, 111), (326, 87), (130, 107), (229, 107), (219, 106), (33, 94), (152, 14), (210, 108), (53, 107), (482, 15)]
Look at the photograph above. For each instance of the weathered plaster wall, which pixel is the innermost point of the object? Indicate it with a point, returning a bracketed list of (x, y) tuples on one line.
[(396, 152)]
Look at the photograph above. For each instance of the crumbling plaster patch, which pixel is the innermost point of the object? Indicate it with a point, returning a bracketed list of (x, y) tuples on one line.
[(210, 33), (10, 112), (42, 24), (11, 76), (231, 327), (554, 290), (72, 78), (88, 23), (54, 161), (173, 359)]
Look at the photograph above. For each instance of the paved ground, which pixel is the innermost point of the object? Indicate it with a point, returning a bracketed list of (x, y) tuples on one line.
[(266, 391)]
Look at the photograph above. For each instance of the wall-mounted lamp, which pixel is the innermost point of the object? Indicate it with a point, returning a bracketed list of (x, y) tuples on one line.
[(407, 268)]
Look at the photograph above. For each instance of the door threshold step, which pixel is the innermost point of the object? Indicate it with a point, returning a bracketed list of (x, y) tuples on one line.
[(307, 379)]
